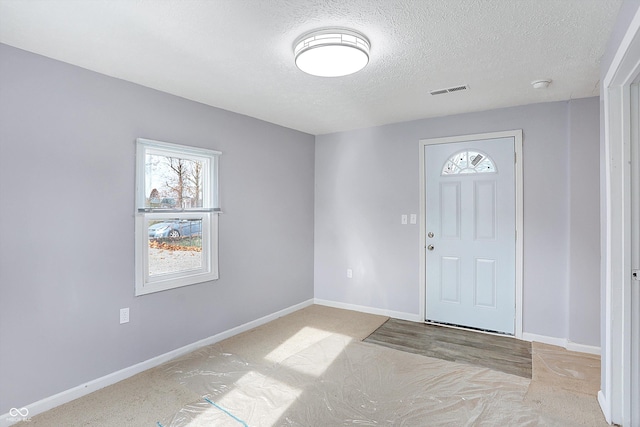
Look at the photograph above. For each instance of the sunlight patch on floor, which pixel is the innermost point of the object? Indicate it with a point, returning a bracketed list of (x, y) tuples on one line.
[(304, 338), (259, 398), (315, 363)]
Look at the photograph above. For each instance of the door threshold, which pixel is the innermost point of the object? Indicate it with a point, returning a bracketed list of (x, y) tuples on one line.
[(468, 328)]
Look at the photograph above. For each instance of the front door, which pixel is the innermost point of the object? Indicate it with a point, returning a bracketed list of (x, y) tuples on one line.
[(471, 234)]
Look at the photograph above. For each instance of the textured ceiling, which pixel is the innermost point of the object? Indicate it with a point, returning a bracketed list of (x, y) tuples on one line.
[(237, 54)]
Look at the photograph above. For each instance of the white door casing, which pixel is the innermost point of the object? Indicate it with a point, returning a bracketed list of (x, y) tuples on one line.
[(634, 410), (472, 276), (618, 396)]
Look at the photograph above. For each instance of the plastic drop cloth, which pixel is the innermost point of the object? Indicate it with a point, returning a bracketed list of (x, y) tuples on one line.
[(340, 382)]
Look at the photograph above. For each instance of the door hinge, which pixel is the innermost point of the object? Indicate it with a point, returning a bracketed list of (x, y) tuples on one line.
[(515, 157), (635, 275)]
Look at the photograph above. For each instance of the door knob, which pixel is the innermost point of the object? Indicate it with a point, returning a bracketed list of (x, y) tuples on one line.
[(430, 247)]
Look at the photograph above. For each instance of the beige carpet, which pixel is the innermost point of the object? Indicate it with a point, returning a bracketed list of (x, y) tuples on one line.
[(137, 401), (311, 369), (565, 384)]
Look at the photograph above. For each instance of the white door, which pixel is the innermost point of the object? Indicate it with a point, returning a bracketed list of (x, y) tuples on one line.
[(471, 232)]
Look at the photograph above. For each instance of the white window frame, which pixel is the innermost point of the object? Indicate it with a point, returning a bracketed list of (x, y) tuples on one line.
[(144, 282)]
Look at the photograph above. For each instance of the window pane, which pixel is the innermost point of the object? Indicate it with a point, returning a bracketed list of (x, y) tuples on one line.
[(176, 235), (175, 246), (468, 162), (173, 182)]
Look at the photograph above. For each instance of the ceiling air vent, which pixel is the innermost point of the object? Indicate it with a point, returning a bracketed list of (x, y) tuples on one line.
[(449, 90)]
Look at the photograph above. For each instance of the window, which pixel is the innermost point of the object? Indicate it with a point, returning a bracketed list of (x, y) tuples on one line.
[(468, 161), (176, 216)]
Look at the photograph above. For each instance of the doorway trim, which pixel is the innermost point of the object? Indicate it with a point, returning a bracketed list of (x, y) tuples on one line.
[(617, 362), (517, 137)]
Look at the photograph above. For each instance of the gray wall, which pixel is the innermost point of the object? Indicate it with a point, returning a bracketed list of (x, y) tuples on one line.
[(584, 221), (365, 179), (67, 227)]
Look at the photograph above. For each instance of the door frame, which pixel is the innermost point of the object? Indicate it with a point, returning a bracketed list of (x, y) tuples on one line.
[(615, 395), (634, 330), (517, 136)]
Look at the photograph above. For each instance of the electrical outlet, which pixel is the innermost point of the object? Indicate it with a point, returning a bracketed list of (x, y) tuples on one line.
[(413, 219), (349, 273), (124, 315)]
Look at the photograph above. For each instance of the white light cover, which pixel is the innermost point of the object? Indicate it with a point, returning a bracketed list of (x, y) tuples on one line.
[(541, 84), (332, 52)]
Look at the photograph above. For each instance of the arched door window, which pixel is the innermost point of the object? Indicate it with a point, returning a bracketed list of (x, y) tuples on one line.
[(468, 161)]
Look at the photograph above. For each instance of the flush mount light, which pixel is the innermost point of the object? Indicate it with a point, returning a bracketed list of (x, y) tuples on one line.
[(331, 52), (541, 84)]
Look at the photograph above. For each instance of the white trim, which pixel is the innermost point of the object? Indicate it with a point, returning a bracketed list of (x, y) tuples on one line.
[(370, 310), (583, 348), (607, 363), (83, 389), (624, 64), (634, 292), (562, 342), (519, 187), (145, 283), (615, 393), (604, 405), (422, 293), (519, 233), (210, 200)]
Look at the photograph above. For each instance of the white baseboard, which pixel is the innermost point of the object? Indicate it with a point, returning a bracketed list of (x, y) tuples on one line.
[(604, 406), (561, 342), (371, 310), (83, 389), (582, 348)]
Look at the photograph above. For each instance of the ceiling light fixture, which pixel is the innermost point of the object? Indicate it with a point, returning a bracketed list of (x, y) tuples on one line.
[(541, 84), (331, 52)]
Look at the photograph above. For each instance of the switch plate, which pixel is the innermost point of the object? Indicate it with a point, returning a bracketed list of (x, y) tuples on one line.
[(413, 219), (403, 220), (124, 315), (349, 273)]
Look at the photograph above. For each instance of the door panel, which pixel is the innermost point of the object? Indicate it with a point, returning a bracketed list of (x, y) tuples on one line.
[(470, 221), (485, 283), (450, 210), (450, 280), (484, 200)]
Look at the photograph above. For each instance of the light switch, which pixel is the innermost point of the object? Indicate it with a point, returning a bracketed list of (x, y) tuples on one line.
[(404, 220), (414, 218)]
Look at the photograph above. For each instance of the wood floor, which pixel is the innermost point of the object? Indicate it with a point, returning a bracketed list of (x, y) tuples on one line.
[(504, 354)]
